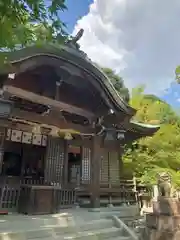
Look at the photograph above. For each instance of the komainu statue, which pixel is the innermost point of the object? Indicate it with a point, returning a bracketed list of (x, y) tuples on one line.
[(164, 184)]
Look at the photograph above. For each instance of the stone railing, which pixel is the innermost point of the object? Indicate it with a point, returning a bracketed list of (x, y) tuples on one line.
[(127, 231)]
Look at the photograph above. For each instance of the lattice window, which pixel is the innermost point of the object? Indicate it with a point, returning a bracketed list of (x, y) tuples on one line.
[(86, 164), (54, 161)]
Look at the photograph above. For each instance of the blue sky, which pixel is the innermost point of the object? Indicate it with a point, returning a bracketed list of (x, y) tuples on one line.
[(79, 8), (172, 95), (76, 9)]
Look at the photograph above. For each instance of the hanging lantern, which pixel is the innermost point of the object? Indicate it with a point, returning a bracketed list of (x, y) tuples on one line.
[(109, 135), (120, 135), (5, 108)]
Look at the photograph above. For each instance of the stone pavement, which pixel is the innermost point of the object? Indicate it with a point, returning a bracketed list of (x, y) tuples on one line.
[(66, 224)]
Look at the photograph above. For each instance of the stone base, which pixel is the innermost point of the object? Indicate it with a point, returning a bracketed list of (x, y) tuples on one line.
[(162, 222), (110, 205), (95, 202), (94, 210), (162, 235), (166, 206)]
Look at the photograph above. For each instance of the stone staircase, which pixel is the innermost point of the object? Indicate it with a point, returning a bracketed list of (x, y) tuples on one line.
[(75, 225), (96, 229)]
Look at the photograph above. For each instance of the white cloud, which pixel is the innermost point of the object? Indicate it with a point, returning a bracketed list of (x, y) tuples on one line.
[(139, 39)]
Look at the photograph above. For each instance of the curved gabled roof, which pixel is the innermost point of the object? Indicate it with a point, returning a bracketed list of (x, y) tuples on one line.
[(74, 56), (143, 128)]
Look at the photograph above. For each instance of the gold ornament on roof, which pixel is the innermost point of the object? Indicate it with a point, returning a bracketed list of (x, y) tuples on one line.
[(68, 136)]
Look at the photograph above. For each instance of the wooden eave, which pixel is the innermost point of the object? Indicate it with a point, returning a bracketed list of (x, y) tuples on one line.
[(79, 59), (142, 128), (135, 130)]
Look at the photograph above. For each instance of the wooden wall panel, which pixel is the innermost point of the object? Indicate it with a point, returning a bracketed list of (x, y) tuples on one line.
[(86, 165), (114, 170), (104, 170), (55, 160)]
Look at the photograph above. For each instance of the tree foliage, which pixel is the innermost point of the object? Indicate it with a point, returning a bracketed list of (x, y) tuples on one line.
[(160, 152), (151, 109), (118, 83), (25, 21), (177, 72)]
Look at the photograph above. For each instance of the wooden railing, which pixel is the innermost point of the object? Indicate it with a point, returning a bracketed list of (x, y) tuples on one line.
[(32, 181), (126, 192), (65, 198), (123, 192), (11, 180), (9, 196), (10, 192)]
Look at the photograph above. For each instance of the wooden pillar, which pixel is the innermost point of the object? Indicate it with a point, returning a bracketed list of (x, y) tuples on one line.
[(95, 172)]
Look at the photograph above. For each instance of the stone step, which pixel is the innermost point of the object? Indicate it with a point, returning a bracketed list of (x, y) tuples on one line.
[(120, 238), (124, 211), (89, 235), (31, 222), (86, 226), (93, 235), (129, 208), (57, 230), (40, 223), (93, 238), (71, 218), (36, 220), (120, 214)]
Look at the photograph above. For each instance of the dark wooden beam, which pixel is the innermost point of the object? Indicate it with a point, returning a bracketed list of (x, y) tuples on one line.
[(49, 120), (33, 97), (8, 123)]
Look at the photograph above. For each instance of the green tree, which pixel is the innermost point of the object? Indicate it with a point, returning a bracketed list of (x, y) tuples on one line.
[(151, 109), (118, 83), (158, 153), (177, 72), (21, 19)]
